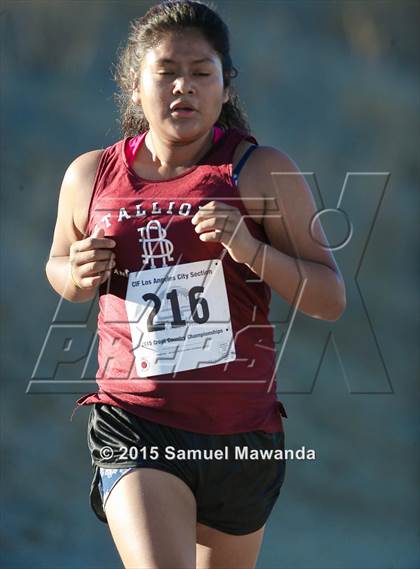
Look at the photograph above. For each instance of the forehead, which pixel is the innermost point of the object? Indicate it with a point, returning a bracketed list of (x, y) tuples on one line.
[(189, 46)]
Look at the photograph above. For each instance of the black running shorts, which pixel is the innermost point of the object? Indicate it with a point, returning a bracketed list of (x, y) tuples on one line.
[(236, 479)]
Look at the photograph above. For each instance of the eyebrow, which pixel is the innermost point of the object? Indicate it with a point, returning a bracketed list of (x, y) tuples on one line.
[(202, 60)]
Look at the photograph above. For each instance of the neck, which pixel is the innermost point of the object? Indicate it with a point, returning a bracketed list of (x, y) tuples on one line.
[(169, 157)]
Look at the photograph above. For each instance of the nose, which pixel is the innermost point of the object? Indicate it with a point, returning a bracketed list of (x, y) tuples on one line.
[(183, 84)]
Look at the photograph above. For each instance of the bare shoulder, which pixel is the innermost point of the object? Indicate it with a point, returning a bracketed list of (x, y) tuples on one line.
[(269, 160), (85, 164), (291, 222), (73, 202), (78, 180), (255, 182), (279, 178)]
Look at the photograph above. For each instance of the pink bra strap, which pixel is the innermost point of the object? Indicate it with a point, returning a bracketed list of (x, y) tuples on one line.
[(132, 147), (218, 133)]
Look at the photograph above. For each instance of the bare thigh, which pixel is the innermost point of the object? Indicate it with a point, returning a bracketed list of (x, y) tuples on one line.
[(152, 518), (218, 550)]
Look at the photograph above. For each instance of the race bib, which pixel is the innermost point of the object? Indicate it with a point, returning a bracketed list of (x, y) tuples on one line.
[(179, 318)]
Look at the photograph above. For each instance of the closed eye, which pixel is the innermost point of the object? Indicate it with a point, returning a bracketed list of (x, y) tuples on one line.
[(172, 73)]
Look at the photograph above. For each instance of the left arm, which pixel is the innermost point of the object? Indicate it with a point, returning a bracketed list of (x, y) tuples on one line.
[(298, 264)]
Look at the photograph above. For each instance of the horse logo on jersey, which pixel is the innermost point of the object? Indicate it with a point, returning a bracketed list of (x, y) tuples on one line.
[(155, 244)]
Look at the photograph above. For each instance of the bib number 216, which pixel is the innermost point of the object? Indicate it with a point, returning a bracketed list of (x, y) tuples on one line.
[(179, 321), (195, 301)]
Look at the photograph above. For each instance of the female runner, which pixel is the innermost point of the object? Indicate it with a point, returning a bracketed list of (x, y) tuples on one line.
[(183, 230)]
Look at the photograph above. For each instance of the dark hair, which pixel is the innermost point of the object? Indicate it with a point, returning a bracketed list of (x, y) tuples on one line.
[(147, 31)]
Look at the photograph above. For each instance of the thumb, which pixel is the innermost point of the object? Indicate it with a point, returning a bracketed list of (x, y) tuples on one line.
[(98, 232)]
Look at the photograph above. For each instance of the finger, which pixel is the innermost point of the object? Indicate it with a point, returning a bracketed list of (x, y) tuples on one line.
[(92, 242), (89, 282), (95, 281), (207, 209), (105, 276), (98, 231), (223, 223), (199, 218), (92, 269), (214, 206), (209, 205), (216, 235), (93, 255), (219, 210), (98, 237)]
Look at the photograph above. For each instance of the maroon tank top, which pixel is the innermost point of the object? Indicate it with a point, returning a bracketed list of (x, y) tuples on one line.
[(183, 329)]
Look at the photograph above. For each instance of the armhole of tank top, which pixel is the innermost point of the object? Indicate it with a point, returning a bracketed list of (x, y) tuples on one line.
[(89, 229), (241, 163)]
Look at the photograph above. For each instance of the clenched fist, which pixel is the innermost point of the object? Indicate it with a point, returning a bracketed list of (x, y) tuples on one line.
[(92, 259)]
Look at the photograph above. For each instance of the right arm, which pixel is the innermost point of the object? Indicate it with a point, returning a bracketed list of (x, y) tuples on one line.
[(72, 252)]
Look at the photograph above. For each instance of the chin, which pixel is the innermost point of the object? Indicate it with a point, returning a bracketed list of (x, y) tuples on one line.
[(187, 132)]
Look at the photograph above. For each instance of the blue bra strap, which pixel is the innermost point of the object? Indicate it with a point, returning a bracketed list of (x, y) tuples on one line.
[(241, 163)]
